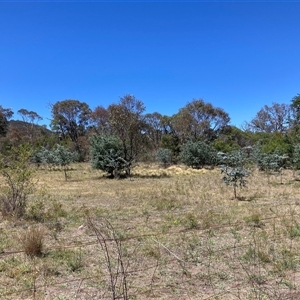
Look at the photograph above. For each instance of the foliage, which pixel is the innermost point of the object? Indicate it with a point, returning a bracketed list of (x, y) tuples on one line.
[(231, 138), (270, 142), (18, 174), (296, 157), (5, 115), (270, 161), (71, 118), (30, 119), (164, 156), (127, 123), (100, 120), (59, 156), (295, 106), (107, 154), (233, 169), (199, 120), (154, 129), (171, 141), (198, 154), (270, 119)]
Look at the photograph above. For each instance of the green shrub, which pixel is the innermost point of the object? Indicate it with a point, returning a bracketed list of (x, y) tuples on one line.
[(107, 155), (198, 154), (18, 174), (164, 156), (59, 156)]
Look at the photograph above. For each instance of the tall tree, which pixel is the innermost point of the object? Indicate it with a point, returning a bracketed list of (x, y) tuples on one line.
[(127, 122), (5, 115), (295, 106), (154, 129), (100, 120), (200, 120), (271, 119), (30, 119), (71, 118)]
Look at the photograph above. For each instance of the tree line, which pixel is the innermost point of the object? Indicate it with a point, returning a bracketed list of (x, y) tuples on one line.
[(139, 136)]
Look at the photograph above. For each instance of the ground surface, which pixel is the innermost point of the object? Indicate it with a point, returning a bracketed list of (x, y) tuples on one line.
[(172, 233)]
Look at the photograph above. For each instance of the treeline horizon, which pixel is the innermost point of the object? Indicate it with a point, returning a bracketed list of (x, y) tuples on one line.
[(73, 122)]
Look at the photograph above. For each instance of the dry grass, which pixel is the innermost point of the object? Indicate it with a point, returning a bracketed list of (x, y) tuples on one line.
[(182, 236)]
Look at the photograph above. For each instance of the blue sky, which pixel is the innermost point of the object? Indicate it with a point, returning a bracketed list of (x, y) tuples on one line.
[(236, 55)]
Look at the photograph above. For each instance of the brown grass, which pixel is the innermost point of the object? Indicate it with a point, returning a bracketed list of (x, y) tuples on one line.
[(182, 234)]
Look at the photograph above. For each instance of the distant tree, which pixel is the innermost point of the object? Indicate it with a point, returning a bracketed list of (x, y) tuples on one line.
[(30, 119), (5, 115), (154, 128), (164, 156), (270, 119), (107, 154), (232, 138), (199, 120), (270, 162), (198, 154), (127, 123), (100, 120), (70, 118), (295, 105)]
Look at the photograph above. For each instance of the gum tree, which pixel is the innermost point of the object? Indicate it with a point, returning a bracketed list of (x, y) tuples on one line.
[(232, 168)]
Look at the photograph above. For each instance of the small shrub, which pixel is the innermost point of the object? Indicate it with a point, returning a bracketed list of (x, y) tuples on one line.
[(18, 174), (191, 221), (164, 156), (295, 231)]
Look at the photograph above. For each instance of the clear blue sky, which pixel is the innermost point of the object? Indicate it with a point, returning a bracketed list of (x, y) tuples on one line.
[(236, 55)]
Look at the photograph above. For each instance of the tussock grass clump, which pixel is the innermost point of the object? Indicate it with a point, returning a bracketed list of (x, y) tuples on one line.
[(32, 240)]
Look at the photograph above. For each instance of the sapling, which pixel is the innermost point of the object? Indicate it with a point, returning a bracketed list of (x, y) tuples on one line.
[(59, 156), (233, 170)]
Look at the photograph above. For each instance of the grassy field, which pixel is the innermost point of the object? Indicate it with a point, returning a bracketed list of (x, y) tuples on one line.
[(173, 233)]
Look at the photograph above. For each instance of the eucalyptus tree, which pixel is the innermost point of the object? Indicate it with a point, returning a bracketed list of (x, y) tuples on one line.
[(270, 119), (5, 115), (199, 120), (106, 153), (100, 120), (233, 170), (164, 156), (70, 118), (154, 129), (30, 119), (126, 121), (59, 156), (274, 162)]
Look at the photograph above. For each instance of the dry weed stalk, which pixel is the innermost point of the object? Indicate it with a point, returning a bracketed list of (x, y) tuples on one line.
[(111, 246)]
